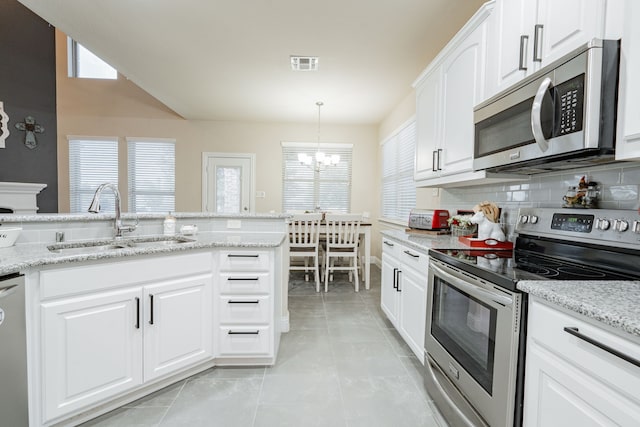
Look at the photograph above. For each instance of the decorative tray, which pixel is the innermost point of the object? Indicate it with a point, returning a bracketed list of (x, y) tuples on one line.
[(485, 243)]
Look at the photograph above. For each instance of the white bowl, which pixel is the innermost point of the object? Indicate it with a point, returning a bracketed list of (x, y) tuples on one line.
[(8, 236)]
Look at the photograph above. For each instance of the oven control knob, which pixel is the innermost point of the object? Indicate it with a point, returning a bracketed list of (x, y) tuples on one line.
[(524, 219), (620, 225), (533, 219), (604, 224)]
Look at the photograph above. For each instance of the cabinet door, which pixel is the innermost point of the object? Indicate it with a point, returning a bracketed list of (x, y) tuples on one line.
[(462, 88), (413, 309), (628, 142), (511, 54), (91, 349), (178, 324), (428, 106), (389, 294), (559, 394), (566, 25)]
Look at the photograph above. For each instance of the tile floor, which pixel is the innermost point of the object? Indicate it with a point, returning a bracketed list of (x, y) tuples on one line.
[(342, 364)]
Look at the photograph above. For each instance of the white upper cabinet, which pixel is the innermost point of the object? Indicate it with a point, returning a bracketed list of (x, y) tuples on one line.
[(528, 35), (445, 95), (628, 140)]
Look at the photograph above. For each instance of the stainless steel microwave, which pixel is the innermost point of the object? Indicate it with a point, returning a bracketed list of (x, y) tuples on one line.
[(563, 116)]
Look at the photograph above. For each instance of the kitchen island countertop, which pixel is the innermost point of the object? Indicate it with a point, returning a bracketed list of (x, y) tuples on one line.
[(29, 255)]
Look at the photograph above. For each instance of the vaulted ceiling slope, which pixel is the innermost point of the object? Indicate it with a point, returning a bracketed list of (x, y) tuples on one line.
[(229, 59)]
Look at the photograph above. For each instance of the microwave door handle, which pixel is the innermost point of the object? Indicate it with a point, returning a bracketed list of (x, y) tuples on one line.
[(536, 115), (471, 289)]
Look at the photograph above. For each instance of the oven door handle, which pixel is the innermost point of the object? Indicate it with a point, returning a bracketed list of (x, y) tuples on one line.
[(536, 115), (500, 299)]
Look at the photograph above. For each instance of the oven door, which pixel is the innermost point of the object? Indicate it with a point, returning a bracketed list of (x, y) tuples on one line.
[(471, 342)]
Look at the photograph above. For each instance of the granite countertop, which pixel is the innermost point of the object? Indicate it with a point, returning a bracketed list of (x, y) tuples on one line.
[(424, 242), (614, 303), (29, 255), (11, 218)]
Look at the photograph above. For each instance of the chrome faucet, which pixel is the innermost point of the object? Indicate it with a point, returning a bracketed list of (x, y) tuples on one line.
[(95, 208)]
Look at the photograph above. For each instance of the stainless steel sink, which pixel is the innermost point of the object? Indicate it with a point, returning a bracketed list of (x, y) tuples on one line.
[(93, 246)]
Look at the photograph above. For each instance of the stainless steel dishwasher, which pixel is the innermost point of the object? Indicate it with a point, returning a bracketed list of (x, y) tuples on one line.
[(13, 353)]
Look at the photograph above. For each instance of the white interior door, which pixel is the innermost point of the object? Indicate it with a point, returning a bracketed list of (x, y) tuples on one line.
[(228, 182)]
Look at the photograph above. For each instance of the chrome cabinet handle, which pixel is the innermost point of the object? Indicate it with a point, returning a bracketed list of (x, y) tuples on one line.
[(523, 53), (434, 161), (395, 278), (412, 254), (536, 115), (537, 39), (439, 159), (388, 243), (398, 284), (231, 301), (242, 256), (576, 333), (243, 332), (244, 279)]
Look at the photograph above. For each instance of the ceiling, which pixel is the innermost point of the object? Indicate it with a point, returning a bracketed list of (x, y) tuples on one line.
[(230, 59)]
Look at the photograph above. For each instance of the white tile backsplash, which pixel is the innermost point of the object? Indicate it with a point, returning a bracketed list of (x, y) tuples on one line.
[(619, 184)]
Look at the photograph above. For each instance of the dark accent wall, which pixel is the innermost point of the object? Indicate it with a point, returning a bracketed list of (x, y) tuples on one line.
[(28, 88)]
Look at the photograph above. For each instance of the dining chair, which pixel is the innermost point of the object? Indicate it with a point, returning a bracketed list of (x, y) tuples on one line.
[(342, 238), (304, 238)]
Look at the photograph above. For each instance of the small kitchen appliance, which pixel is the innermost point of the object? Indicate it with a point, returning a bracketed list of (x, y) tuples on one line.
[(476, 317), (428, 219)]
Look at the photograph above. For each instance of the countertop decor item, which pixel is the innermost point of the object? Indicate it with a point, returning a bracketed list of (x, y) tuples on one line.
[(8, 236), (487, 216), (461, 225), (584, 195)]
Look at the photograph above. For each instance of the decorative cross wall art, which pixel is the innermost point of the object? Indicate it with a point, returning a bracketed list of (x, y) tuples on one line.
[(4, 125), (30, 128)]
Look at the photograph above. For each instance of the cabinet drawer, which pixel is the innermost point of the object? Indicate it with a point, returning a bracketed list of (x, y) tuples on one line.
[(414, 259), (391, 247), (245, 283), (245, 310), (244, 341), (547, 328), (244, 260)]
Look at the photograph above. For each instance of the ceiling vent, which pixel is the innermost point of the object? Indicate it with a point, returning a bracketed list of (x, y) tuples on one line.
[(304, 63)]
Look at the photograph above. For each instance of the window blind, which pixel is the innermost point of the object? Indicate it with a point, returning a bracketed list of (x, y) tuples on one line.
[(398, 187), (305, 189), (92, 162), (151, 175)]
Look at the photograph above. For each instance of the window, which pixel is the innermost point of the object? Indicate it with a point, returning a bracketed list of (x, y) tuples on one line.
[(305, 189), (91, 162), (151, 175), (84, 64), (398, 187)]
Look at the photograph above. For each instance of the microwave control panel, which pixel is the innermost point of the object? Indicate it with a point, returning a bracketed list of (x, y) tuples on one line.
[(569, 100)]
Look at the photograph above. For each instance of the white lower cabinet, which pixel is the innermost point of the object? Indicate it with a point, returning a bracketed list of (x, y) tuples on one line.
[(571, 381), (91, 349), (244, 326), (404, 292), (110, 327), (178, 329)]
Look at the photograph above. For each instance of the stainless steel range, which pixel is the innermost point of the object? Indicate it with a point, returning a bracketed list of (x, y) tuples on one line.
[(476, 317)]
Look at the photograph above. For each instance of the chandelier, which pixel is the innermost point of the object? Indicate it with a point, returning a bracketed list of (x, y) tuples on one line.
[(320, 160)]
